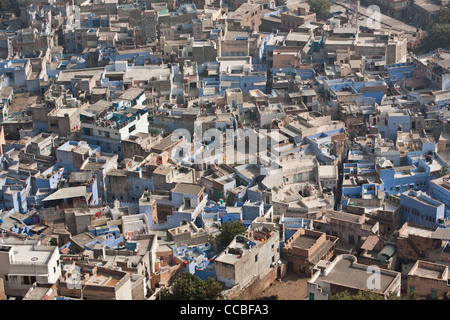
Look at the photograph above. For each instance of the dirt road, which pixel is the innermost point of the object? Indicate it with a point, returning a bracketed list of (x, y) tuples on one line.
[(291, 287)]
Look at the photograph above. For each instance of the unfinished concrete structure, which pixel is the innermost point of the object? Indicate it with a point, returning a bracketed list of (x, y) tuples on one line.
[(248, 256), (307, 247)]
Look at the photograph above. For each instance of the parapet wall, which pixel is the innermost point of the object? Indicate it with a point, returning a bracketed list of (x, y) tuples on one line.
[(256, 286)]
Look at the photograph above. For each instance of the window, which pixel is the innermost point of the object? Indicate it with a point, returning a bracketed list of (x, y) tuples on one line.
[(27, 280), (256, 258), (433, 294), (351, 239)]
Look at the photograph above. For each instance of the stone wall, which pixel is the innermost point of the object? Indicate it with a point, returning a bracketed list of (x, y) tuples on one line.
[(2, 290), (255, 286)]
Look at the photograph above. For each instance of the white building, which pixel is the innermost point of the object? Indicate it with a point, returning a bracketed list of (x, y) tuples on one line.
[(23, 265)]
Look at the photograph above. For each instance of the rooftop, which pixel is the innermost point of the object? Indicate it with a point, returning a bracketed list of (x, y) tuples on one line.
[(347, 273), (415, 231), (29, 254), (425, 269), (304, 241), (64, 193), (188, 188)]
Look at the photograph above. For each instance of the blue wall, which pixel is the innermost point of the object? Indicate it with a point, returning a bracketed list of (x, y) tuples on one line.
[(424, 205)]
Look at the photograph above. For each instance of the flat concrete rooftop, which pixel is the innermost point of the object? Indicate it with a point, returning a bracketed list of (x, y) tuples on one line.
[(304, 241), (29, 254), (424, 272), (346, 274)]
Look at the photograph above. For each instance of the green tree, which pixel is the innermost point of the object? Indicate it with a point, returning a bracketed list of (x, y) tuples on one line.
[(443, 16), (228, 231), (320, 7), (165, 134), (191, 287), (361, 295), (439, 30), (439, 35), (443, 171), (4, 4), (414, 296), (370, 295)]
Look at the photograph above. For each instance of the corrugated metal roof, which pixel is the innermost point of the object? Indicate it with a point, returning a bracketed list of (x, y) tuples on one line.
[(387, 252)]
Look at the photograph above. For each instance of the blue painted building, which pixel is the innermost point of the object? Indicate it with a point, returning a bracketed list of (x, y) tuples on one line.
[(391, 120), (399, 71), (103, 230), (254, 79), (401, 179), (49, 179), (271, 43), (439, 189), (65, 157), (193, 258), (370, 89), (291, 225), (96, 21), (221, 214), (418, 208), (109, 240), (321, 143)]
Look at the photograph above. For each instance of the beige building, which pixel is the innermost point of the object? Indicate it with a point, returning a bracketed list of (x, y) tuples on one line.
[(351, 229), (23, 265), (307, 247), (64, 121), (429, 280), (95, 283), (345, 274), (248, 256)]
